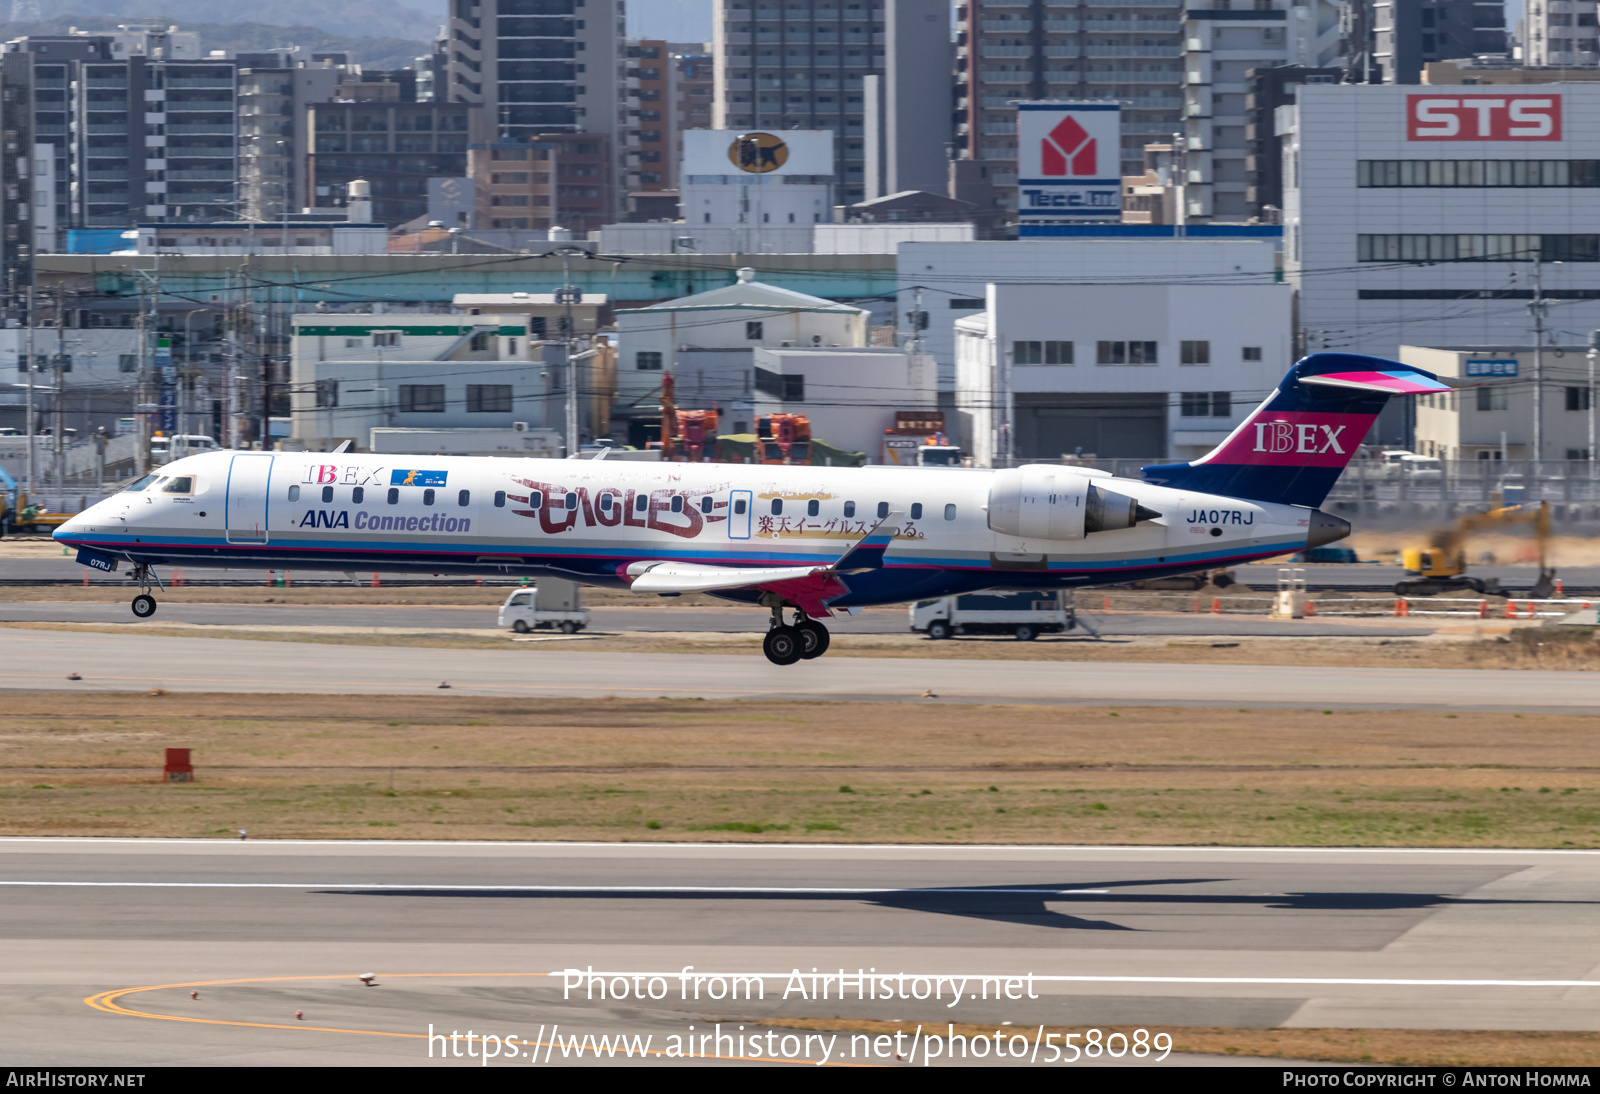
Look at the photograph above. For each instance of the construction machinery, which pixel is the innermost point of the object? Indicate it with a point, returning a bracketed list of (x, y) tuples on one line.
[(1442, 566), (783, 439)]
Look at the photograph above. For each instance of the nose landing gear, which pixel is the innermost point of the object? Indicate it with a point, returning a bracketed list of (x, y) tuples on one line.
[(144, 605), (785, 644)]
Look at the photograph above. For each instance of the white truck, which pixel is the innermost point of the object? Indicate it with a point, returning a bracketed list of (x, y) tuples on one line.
[(550, 603), (1025, 613)]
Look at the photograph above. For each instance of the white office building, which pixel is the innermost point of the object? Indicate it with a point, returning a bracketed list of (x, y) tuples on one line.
[(954, 277), (1434, 216), (1115, 371), (707, 341), (355, 372), (743, 192)]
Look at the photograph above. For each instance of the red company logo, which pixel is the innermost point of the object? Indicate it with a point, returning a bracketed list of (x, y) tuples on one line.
[(1067, 144), (1483, 117)]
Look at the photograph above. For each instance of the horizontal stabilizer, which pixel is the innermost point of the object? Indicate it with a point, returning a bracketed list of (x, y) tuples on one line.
[(1399, 382), (694, 577)]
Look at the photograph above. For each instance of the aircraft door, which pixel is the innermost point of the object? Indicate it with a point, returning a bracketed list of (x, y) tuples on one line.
[(740, 503), (249, 475)]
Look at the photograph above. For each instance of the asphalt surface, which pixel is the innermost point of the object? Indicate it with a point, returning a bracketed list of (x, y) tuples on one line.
[(648, 618), (1367, 575), (462, 936), (575, 668)]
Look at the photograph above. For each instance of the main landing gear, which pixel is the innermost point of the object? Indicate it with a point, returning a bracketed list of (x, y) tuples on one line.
[(786, 644), (144, 605)]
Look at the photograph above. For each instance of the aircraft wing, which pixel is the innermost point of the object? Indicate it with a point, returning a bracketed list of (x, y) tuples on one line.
[(693, 577), (810, 587)]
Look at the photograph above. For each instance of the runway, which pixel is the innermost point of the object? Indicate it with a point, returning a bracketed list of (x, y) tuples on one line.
[(1090, 936), (132, 662), (646, 618)]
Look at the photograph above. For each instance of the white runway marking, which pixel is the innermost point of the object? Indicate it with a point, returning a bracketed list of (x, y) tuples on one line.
[(366, 885), (1038, 978)]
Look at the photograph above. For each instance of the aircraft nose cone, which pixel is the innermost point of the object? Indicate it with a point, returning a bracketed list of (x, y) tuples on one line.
[(1325, 529)]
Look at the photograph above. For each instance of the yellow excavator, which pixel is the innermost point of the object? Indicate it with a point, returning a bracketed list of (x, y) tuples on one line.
[(1442, 566)]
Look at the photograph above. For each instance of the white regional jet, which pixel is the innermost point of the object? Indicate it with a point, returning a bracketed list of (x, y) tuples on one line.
[(812, 540)]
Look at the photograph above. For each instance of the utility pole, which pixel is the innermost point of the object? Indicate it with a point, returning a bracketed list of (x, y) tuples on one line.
[(32, 370), (60, 360), (1537, 309), (1594, 350), (568, 296)]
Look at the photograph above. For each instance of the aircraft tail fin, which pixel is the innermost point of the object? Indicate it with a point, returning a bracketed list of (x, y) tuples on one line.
[(1292, 449)]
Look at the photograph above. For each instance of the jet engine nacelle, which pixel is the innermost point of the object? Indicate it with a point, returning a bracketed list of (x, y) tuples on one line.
[(1039, 501)]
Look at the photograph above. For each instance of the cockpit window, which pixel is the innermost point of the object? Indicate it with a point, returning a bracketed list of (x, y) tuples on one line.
[(142, 483), (178, 484)]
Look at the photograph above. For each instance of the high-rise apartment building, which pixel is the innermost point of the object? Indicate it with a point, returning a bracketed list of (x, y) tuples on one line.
[(275, 93), (394, 144), (804, 64), (539, 67), (144, 138), (1221, 48), (1562, 33), (1407, 34), (1065, 49)]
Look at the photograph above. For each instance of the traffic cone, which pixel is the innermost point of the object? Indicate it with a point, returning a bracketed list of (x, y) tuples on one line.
[(1311, 609), (1483, 609), (1559, 591), (374, 580), (1401, 608), (1216, 605)]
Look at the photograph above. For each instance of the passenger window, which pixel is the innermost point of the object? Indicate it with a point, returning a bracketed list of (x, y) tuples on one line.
[(358, 495), (427, 496), (181, 484), (148, 479), (950, 512), (536, 499), (294, 492), (394, 495), (706, 504), (641, 502), (777, 506), (677, 503), (464, 498), (572, 500), (738, 508), (813, 507), (883, 509), (605, 503), (327, 493), (499, 499), (849, 508), (916, 510)]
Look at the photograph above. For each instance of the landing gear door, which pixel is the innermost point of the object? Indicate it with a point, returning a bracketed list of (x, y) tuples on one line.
[(249, 475), (740, 503)]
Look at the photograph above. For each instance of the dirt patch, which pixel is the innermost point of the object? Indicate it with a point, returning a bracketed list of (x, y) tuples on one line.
[(479, 768)]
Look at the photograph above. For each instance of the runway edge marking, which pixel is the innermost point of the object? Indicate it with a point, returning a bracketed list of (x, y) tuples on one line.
[(106, 1001)]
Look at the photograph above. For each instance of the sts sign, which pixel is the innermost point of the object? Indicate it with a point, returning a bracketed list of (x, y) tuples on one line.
[(1504, 117), (1069, 161)]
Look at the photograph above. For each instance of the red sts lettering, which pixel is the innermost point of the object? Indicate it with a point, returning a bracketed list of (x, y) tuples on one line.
[(1504, 117), (1296, 438), (1067, 150), (663, 510)]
